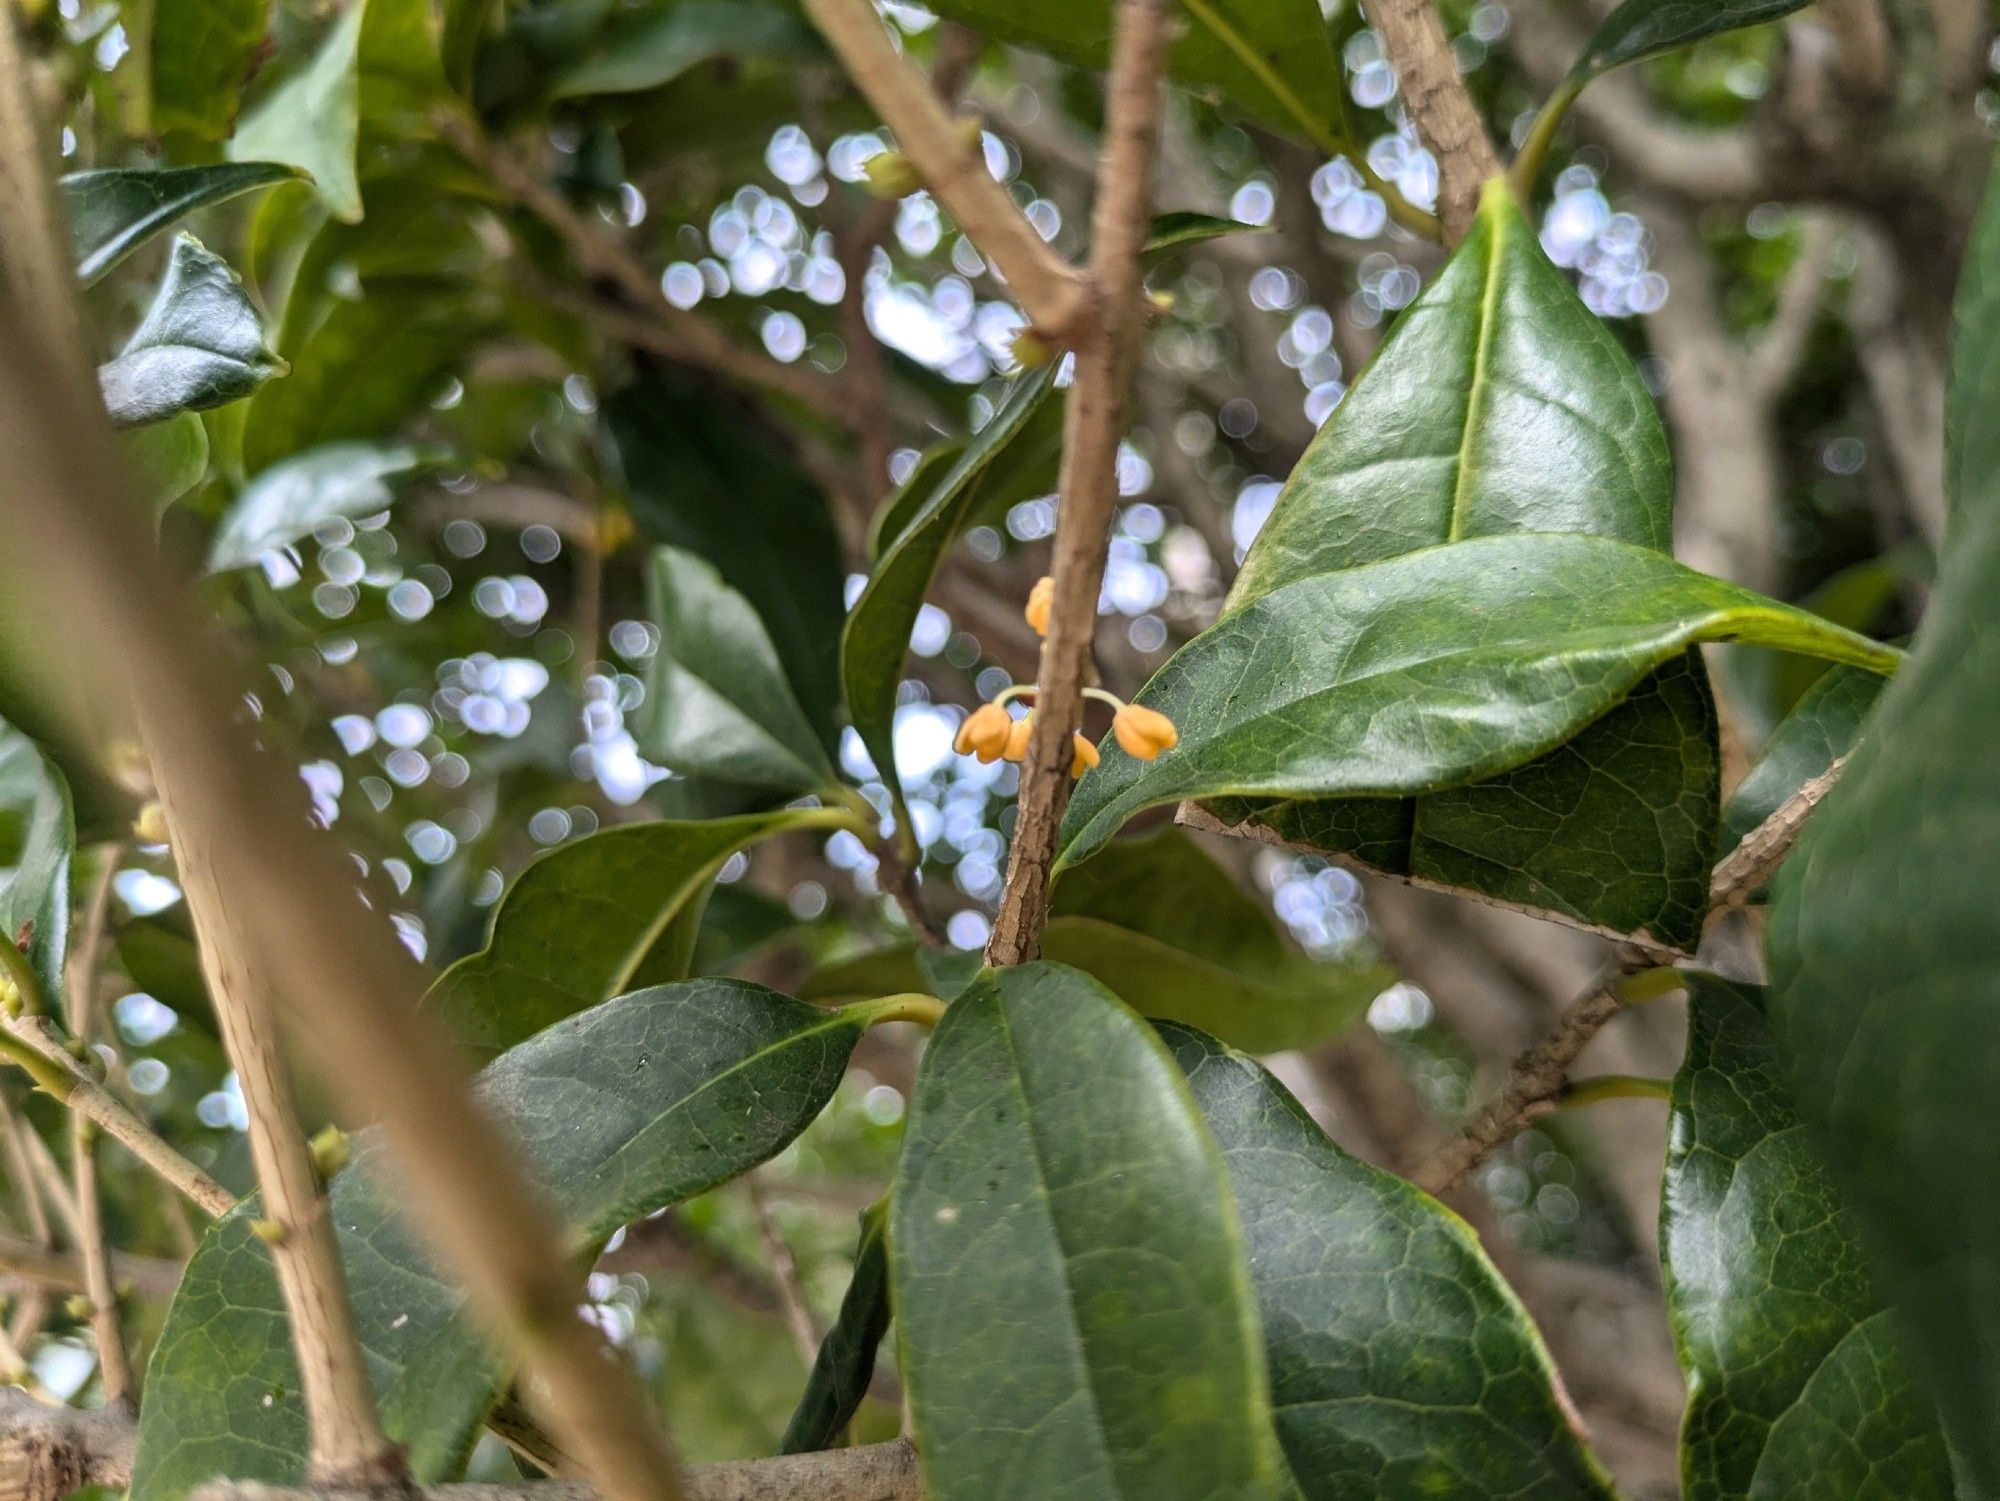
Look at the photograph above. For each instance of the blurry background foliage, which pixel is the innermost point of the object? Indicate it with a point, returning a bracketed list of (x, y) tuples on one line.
[(425, 464)]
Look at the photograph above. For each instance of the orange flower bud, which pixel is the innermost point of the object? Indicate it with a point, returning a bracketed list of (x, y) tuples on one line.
[(1017, 738), (1084, 758), (984, 733), (1144, 732), (1041, 599)]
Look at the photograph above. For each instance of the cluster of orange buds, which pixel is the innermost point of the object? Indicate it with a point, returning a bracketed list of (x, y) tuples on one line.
[(992, 734)]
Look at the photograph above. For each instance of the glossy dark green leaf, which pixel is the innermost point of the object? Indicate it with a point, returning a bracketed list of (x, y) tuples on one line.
[(717, 703), (35, 898), (1501, 404), (1124, 918), (1824, 726), (1271, 59), (592, 920), (696, 482), (846, 1360), (377, 69), (115, 211), (1073, 1309), (1646, 28), (201, 55), (646, 47), (1885, 958), (1795, 1386), (1402, 1366), (1972, 444), (1431, 670), (201, 344), (285, 502), (1014, 454), (636, 1105)]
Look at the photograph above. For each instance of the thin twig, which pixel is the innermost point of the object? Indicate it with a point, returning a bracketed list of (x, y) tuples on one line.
[(1745, 869), (347, 1446), (32, 1309), (784, 1273), (1532, 1088), (1446, 119), (1099, 401), (47, 1176), (61, 1271), (1050, 290), (79, 549), (44, 1053), (114, 1367)]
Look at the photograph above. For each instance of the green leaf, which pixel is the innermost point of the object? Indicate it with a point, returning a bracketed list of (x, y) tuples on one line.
[(1795, 1385), (1123, 919), (636, 1105), (1175, 231), (1431, 670), (1013, 455), (113, 212), (1402, 1366), (34, 902), (717, 703), (1885, 958), (359, 365), (846, 1360), (166, 459), (1500, 404), (1646, 28), (640, 49), (1073, 1310), (1972, 444), (201, 344), (748, 508), (202, 52), (1823, 727), (377, 70), (285, 502), (594, 919), (1272, 59)]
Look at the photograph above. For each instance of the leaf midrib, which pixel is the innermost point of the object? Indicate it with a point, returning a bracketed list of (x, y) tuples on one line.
[(1482, 358), (1266, 75)]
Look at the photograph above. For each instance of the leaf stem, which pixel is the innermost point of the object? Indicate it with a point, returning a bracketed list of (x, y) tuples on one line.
[(21, 974), (1526, 171), (1580, 1092), (906, 1006)]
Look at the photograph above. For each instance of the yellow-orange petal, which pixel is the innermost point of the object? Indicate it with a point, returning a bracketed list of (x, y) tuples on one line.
[(1084, 757), (984, 733), (1017, 738), (1144, 732), (1041, 599)]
